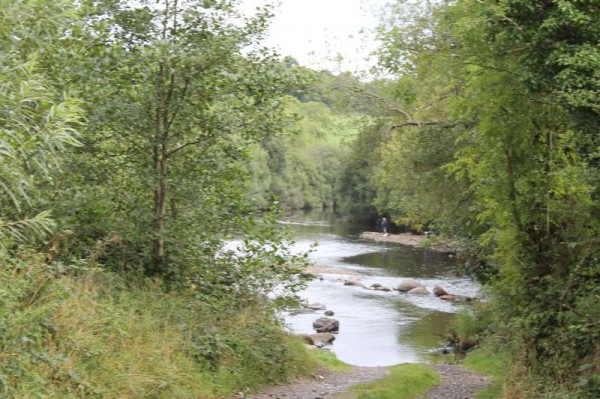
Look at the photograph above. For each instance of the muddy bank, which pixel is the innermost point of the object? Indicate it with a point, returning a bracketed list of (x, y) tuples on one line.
[(420, 241)]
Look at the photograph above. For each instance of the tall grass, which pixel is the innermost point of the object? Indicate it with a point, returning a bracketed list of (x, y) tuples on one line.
[(97, 335), (491, 361)]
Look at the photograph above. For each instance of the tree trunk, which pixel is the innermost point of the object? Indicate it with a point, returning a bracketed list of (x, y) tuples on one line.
[(161, 170)]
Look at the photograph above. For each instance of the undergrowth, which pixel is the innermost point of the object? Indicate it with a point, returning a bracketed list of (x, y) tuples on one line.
[(67, 333), (490, 361)]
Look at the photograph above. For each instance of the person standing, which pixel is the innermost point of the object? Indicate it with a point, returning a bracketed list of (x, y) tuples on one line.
[(384, 225)]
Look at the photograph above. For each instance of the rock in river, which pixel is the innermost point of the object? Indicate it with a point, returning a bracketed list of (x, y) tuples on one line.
[(326, 324), (354, 283), (379, 287), (419, 291), (407, 285), (324, 338)]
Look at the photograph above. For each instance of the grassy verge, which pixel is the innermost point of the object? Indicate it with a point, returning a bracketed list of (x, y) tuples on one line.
[(490, 362), (94, 334), (328, 360), (405, 381)]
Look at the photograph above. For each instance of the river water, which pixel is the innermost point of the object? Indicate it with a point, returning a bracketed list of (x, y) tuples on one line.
[(376, 328)]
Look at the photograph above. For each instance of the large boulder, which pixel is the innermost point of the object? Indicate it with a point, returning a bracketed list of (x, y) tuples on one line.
[(439, 291), (326, 324), (409, 284), (419, 291)]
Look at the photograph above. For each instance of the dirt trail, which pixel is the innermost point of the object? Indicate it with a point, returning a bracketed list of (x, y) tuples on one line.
[(457, 383), (323, 384)]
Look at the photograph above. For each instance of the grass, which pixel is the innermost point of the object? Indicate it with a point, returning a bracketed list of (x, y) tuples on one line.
[(328, 360), (488, 361), (95, 335), (405, 381)]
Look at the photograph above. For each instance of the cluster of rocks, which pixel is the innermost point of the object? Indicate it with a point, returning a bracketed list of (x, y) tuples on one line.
[(413, 287), (324, 327)]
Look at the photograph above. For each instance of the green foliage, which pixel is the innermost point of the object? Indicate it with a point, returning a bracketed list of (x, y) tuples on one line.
[(356, 190), (300, 168), (405, 381), (37, 124), (500, 97), (327, 359), (466, 325), (73, 332), (175, 95), (491, 361)]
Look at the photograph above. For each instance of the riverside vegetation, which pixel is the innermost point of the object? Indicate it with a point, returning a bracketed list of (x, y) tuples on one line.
[(137, 139), (124, 132)]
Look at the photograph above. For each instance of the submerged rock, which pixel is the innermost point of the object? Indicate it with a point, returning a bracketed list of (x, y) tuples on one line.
[(449, 350), (354, 283), (317, 306), (379, 287)]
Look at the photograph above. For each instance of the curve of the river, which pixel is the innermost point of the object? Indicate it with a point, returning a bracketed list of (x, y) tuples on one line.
[(377, 328)]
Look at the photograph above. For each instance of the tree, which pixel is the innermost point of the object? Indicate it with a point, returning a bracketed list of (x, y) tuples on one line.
[(517, 96), (175, 94)]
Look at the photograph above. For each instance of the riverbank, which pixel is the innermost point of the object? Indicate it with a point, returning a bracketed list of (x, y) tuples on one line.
[(455, 382), (323, 383), (419, 241)]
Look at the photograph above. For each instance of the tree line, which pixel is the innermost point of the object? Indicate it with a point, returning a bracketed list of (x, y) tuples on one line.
[(139, 138), (488, 132)]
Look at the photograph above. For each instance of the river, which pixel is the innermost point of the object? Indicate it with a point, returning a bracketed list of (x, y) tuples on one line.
[(376, 328)]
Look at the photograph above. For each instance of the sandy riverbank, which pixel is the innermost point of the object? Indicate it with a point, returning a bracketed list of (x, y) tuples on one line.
[(413, 240)]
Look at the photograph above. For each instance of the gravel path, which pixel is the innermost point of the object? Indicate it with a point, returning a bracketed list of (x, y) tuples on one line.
[(457, 383), (323, 384)]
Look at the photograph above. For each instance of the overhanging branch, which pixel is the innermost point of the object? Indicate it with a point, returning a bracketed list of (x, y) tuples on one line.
[(429, 123)]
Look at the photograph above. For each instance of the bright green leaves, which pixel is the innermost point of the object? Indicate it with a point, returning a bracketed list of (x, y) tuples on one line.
[(519, 81), (37, 123)]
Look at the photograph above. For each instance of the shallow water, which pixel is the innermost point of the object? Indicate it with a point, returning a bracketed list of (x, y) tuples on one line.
[(377, 328)]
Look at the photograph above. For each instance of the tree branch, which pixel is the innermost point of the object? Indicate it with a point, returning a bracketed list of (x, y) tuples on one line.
[(180, 104), (430, 123), (380, 99), (190, 143)]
